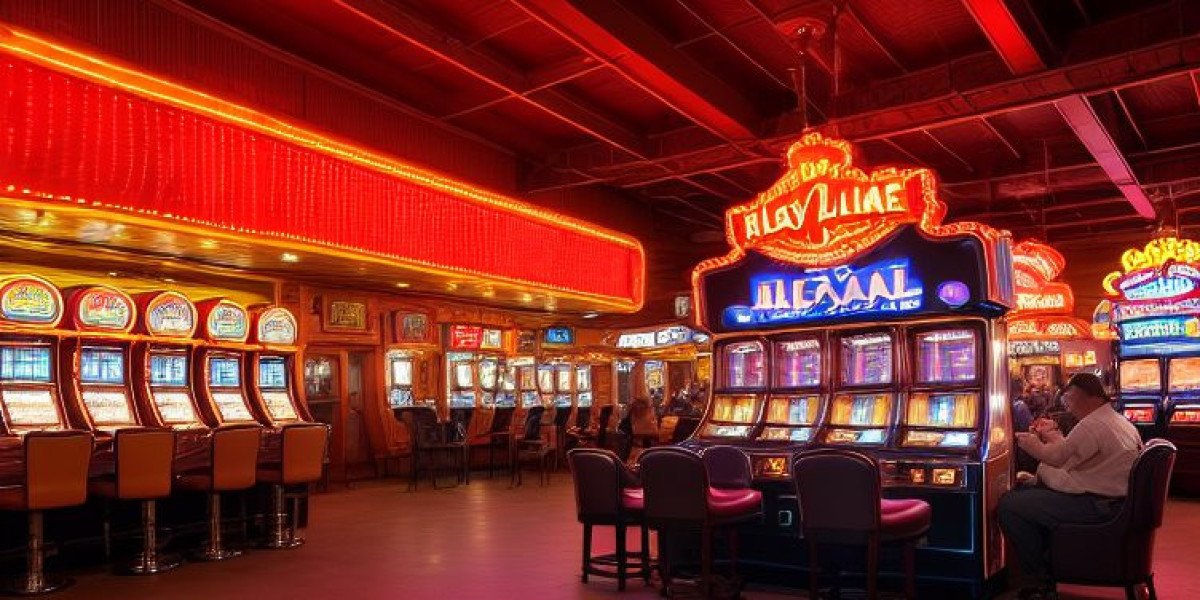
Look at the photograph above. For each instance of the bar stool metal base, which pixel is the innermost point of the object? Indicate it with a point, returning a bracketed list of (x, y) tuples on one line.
[(150, 565), (214, 549), (282, 533), (36, 580)]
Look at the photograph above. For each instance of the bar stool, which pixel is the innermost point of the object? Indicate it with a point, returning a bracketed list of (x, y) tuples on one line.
[(608, 493), (841, 503), (302, 461), (679, 497), (232, 468), (532, 445), (56, 476), (143, 459)]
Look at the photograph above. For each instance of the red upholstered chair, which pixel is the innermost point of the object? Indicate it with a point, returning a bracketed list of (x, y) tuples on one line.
[(608, 493), (233, 467), (56, 476), (841, 503), (1121, 551), (302, 462), (144, 459), (679, 497)]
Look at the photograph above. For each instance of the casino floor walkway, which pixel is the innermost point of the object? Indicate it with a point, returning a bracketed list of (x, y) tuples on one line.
[(483, 541)]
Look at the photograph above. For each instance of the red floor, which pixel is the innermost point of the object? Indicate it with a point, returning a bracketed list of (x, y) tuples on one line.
[(482, 541)]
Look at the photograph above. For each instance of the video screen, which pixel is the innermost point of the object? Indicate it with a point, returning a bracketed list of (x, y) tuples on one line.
[(583, 378), (1183, 374), (1140, 375), (25, 363), (102, 365), (169, 370), (955, 411), (279, 406), (745, 365), (525, 374), (402, 371), (175, 408), (224, 372), (861, 410), (742, 408), (464, 375), (793, 410), (272, 373), (30, 409), (946, 356), (108, 409), (487, 374), (545, 378), (232, 406), (867, 359), (798, 363), (562, 378), (508, 379)]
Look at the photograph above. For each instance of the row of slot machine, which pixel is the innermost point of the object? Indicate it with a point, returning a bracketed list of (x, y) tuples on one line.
[(98, 359), (846, 315)]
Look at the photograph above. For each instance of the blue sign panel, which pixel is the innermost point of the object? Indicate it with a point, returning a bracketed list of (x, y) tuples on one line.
[(559, 336), (882, 288)]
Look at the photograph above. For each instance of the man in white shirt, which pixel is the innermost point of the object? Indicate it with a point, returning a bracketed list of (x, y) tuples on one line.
[(1081, 478)]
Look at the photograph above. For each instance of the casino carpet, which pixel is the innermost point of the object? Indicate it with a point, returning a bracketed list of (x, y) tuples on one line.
[(483, 541)]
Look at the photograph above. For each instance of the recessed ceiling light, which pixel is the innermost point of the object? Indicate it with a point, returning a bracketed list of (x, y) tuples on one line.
[(288, 257), (113, 273), (168, 280), (402, 284), (591, 314), (208, 244)]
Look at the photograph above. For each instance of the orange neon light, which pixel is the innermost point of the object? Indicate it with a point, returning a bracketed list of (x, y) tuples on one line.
[(1044, 306), (1156, 253), (824, 211)]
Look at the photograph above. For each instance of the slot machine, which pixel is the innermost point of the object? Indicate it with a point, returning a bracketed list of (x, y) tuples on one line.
[(30, 311), (473, 360), (96, 384), (1183, 420), (1141, 394), (271, 374), (400, 379), (583, 394), (219, 364), (545, 384), (506, 393), (162, 375), (864, 323), (564, 389), (527, 387)]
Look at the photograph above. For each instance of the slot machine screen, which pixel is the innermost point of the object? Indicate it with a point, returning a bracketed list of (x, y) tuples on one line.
[(272, 373), (797, 412), (104, 366), (1183, 374), (487, 374), (583, 378), (279, 405), (947, 356), (545, 379), (745, 365), (508, 379), (464, 376), (224, 372), (736, 413), (1140, 375), (859, 418), (169, 370), (797, 363), (526, 375), (953, 411), (25, 363), (28, 410), (108, 409), (401, 372), (175, 408), (562, 378), (867, 359)]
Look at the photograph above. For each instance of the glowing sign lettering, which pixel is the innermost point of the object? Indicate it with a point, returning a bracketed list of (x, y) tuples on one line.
[(1033, 348), (227, 321), (882, 288), (1158, 329), (101, 308), (277, 326), (1042, 302), (464, 337), (30, 300), (170, 314)]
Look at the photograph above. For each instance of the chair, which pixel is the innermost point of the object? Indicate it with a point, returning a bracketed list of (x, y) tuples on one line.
[(1121, 551), (679, 497), (533, 445), (598, 436), (607, 493), (728, 467), (144, 461), (841, 503), (302, 461), (499, 435), (430, 440), (56, 476), (580, 432), (684, 428), (232, 468)]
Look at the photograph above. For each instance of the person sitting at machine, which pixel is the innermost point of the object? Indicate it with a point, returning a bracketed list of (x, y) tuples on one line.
[(1082, 477)]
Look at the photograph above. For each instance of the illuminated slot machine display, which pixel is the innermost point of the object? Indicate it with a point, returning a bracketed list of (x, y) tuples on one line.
[(99, 391), (545, 384), (847, 315), (527, 381), (739, 396), (162, 374), (1156, 312), (220, 363), (272, 374), (583, 385), (564, 390), (30, 311), (655, 373), (489, 380), (472, 352), (400, 379), (796, 398), (506, 395)]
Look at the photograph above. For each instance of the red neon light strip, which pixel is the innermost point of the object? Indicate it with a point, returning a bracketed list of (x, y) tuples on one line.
[(118, 152)]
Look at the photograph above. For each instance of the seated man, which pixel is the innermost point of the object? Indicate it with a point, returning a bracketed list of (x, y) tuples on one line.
[(1082, 477)]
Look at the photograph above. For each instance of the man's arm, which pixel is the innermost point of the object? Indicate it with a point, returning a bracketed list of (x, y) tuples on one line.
[(1055, 450)]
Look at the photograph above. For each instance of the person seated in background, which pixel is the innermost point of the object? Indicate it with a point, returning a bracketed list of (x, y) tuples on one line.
[(1081, 477)]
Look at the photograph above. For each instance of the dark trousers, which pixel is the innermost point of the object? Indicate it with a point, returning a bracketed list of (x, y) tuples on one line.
[(1029, 514)]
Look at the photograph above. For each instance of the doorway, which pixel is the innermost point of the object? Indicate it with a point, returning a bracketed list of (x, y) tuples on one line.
[(338, 383)]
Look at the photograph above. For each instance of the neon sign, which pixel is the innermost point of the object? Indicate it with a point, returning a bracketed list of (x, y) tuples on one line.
[(1159, 329), (170, 314), (104, 308), (227, 321), (30, 300), (885, 287), (1044, 307)]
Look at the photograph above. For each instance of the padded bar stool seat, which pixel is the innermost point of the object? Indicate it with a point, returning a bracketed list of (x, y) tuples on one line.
[(302, 463), (143, 461), (233, 467), (905, 518), (55, 476), (606, 494)]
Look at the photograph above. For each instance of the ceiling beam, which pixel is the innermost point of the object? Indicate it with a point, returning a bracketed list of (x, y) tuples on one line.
[(608, 32), (390, 17), (1001, 28), (694, 152)]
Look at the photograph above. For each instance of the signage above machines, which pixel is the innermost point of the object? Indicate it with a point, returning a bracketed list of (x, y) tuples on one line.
[(474, 337), (169, 314), (225, 320), (558, 336), (1045, 307), (100, 308), (276, 326), (29, 300), (659, 338), (887, 287), (830, 242)]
